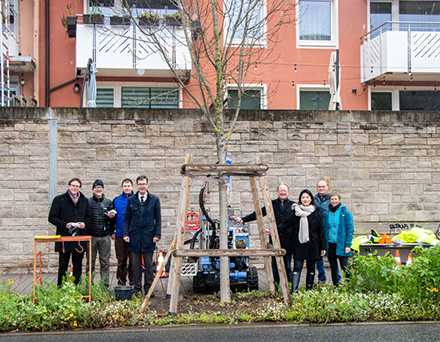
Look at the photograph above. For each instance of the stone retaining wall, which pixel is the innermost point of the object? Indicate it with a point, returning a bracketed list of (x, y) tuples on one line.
[(385, 164)]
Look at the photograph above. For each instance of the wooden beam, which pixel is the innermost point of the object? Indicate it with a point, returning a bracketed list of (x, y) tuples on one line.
[(262, 233), (180, 235), (284, 284), (229, 252), (223, 170)]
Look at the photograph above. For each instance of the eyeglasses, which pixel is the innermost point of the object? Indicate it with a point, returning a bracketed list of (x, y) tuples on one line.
[(322, 187), (142, 184), (75, 186)]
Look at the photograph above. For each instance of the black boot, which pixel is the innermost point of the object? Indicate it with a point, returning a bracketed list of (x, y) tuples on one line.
[(309, 280), (296, 276)]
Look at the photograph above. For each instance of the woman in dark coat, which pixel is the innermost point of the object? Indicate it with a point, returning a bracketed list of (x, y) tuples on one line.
[(67, 211), (309, 241)]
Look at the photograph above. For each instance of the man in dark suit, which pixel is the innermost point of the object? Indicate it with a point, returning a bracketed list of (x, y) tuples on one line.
[(283, 213), (142, 229)]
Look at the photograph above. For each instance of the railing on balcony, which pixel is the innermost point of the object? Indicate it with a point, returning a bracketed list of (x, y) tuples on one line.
[(128, 47), (401, 47)]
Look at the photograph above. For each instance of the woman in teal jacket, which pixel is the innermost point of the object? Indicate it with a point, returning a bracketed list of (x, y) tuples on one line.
[(339, 228)]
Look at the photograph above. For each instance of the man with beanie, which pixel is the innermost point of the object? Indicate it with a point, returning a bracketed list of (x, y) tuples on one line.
[(101, 228)]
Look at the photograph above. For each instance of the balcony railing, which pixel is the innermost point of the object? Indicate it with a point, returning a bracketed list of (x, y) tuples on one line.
[(398, 48), (128, 50)]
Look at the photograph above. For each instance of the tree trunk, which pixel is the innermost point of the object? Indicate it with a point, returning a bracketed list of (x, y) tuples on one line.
[(225, 291)]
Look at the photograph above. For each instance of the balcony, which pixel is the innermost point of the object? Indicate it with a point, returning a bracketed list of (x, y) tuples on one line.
[(400, 52), (129, 51)]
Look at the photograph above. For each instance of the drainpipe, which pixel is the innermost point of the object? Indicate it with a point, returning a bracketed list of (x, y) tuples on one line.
[(47, 48)]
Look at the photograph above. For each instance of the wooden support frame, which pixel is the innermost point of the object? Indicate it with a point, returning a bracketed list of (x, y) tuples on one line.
[(37, 256), (252, 171)]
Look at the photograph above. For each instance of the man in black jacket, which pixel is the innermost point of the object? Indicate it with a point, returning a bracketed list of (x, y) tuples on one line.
[(101, 228), (70, 213), (283, 213), (142, 230)]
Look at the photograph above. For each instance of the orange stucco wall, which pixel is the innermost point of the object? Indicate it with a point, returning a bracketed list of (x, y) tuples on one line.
[(277, 72)]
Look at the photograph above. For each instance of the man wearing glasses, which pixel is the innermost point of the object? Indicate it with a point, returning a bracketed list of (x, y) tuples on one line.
[(70, 213), (322, 200), (142, 229)]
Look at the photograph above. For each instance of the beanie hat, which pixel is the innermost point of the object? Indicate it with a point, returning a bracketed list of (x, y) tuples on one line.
[(97, 183)]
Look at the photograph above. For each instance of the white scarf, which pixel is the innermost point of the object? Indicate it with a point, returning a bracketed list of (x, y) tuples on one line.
[(303, 212)]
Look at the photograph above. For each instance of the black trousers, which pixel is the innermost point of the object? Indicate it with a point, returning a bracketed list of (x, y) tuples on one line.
[(63, 265), (122, 255), (136, 259), (333, 259)]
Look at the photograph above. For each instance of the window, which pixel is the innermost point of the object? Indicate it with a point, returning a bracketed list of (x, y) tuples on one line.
[(140, 97), (314, 99), (251, 99), (381, 101), (419, 100), (424, 11), (104, 97), (137, 97), (407, 11), (112, 7), (404, 98), (244, 19), (380, 12), (317, 22)]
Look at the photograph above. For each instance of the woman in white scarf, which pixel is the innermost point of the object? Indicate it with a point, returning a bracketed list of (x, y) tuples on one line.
[(309, 238)]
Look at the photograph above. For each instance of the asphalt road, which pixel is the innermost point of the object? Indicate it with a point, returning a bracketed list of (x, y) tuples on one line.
[(362, 332)]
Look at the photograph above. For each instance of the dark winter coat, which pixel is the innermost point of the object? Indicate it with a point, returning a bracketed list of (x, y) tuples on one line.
[(283, 219), (63, 211), (317, 242), (142, 222), (101, 224)]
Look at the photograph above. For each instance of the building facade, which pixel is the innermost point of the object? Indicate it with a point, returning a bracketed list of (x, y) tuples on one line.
[(389, 56)]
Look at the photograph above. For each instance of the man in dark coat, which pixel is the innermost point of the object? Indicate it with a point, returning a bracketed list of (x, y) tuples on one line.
[(142, 229), (282, 207), (70, 211)]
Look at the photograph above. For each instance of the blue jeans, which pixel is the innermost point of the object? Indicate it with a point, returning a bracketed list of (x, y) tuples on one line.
[(321, 269)]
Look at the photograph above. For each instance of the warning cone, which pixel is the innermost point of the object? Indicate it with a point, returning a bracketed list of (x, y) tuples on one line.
[(159, 264), (409, 260), (397, 257), (71, 271)]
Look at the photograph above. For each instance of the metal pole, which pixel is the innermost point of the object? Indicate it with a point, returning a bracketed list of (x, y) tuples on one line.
[(337, 75)]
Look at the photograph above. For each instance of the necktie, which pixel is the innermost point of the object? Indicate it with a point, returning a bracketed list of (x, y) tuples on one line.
[(142, 199)]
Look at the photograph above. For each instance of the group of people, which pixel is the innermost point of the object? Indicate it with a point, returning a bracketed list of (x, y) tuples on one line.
[(310, 229), (132, 220)]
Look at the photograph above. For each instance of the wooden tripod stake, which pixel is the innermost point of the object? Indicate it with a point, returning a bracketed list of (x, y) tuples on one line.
[(252, 171)]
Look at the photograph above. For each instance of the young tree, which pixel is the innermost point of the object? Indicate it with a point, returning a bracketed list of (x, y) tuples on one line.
[(225, 40)]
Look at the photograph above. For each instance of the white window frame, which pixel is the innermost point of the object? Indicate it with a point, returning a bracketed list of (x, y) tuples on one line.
[(309, 87), (320, 44), (261, 87), (262, 42), (117, 90), (395, 93)]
